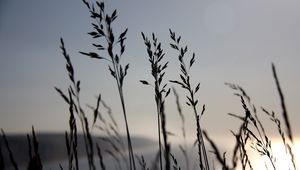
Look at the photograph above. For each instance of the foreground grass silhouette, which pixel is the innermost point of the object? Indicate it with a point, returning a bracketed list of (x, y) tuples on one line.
[(251, 134)]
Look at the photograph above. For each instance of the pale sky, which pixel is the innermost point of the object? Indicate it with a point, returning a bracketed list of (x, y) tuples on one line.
[(234, 41)]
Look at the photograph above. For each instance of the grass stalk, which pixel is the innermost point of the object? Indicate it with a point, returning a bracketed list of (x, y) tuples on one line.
[(102, 165), (11, 156), (282, 101), (156, 54), (2, 165), (74, 90), (184, 82), (103, 29), (35, 162)]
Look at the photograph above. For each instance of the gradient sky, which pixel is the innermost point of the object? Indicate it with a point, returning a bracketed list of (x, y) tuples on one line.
[(235, 41)]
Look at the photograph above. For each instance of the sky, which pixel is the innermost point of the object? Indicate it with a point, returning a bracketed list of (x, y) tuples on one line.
[(234, 41)]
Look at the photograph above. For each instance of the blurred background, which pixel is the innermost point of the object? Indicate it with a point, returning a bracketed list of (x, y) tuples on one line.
[(234, 41)]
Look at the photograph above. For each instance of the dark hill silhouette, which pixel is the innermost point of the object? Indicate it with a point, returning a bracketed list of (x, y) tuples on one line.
[(52, 147)]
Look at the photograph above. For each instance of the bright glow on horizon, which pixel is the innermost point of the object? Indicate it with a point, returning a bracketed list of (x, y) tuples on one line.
[(234, 42), (282, 157)]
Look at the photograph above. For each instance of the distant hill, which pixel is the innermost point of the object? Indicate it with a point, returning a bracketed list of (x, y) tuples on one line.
[(52, 147)]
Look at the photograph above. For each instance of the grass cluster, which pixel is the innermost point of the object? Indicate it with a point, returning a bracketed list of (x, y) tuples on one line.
[(250, 136)]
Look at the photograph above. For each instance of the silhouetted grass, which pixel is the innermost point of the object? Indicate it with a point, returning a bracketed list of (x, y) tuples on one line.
[(11, 156), (251, 134), (156, 55), (100, 158), (175, 164), (71, 138), (284, 110), (185, 84), (103, 31), (35, 162), (74, 91), (2, 166), (142, 163), (183, 147), (110, 130)]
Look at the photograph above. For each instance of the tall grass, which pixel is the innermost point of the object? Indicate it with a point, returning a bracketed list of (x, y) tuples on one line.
[(251, 134), (2, 166), (185, 84), (156, 55), (11, 156), (183, 147), (103, 30), (74, 91), (34, 162)]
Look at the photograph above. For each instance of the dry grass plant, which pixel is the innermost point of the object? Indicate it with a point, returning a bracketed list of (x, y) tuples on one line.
[(103, 31), (192, 102), (251, 135), (158, 67)]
